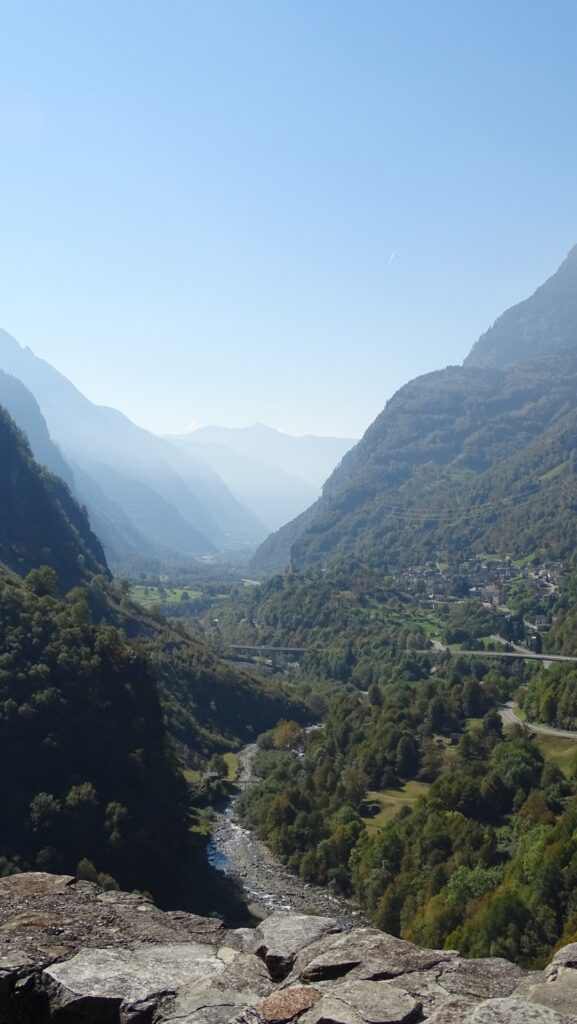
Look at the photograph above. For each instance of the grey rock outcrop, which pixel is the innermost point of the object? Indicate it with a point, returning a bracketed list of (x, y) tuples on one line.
[(280, 937), (72, 953)]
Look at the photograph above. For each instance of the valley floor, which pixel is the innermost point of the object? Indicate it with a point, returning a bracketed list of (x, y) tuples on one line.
[(267, 884)]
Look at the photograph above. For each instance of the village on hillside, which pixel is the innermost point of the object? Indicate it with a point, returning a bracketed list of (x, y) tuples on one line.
[(491, 580)]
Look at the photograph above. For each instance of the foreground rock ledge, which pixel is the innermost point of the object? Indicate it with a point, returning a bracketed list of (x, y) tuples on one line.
[(70, 952)]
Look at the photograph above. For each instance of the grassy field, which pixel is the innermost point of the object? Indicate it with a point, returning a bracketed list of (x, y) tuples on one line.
[(391, 800), (521, 562), (232, 765), (194, 775), (474, 723), (201, 821), (149, 596), (560, 750), (417, 619)]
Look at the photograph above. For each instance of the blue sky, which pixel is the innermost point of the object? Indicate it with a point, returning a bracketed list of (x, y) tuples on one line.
[(223, 211)]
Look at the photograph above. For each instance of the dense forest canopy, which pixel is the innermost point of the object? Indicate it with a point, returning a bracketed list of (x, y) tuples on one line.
[(449, 829), (86, 771), (475, 844), (101, 704)]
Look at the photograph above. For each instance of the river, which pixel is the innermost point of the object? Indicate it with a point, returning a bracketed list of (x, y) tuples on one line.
[(265, 882)]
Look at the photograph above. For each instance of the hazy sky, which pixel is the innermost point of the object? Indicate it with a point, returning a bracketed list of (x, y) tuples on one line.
[(223, 211)]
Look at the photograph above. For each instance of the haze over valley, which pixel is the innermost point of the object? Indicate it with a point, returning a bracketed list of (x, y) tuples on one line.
[(165, 498), (288, 513)]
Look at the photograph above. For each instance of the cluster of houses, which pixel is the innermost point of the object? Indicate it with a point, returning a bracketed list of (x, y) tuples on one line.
[(485, 580)]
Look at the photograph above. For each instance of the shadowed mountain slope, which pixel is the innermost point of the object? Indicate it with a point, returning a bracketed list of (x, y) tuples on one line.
[(40, 521), (105, 445)]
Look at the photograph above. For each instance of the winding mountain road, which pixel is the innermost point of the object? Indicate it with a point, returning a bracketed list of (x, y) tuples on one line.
[(509, 717)]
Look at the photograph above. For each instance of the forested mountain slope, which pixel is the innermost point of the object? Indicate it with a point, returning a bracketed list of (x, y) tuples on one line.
[(96, 696), (40, 521), (544, 322), (475, 845), (118, 534), (183, 504), (88, 721), (20, 403), (209, 704), (85, 770), (471, 457)]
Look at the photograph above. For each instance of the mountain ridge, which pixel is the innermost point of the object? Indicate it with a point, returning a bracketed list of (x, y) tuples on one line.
[(273, 494), (435, 436), (40, 521), (23, 408), (310, 457), (101, 436), (546, 320)]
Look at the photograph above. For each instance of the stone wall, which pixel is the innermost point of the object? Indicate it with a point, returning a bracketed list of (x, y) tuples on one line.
[(70, 952)]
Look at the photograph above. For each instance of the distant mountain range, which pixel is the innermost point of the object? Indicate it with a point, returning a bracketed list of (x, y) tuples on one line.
[(20, 403), (177, 504), (274, 474), (151, 497), (309, 457), (480, 458)]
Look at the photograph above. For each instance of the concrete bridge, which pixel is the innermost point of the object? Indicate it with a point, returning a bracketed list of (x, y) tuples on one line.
[(517, 654), (274, 654)]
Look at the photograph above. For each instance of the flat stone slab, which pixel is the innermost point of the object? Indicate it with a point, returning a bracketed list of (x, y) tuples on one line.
[(435, 999), (215, 998), (33, 883), (206, 1002), (371, 954), (487, 978), (564, 958), (558, 994), (281, 936), (364, 1002), (95, 978), (453, 1011), (514, 1011), (287, 1004)]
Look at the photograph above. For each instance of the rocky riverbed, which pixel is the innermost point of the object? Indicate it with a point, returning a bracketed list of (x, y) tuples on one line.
[(266, 882)]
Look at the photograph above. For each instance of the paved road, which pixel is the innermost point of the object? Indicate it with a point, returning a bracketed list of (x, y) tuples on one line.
[(509, 717), (498, 639), (516, 654)]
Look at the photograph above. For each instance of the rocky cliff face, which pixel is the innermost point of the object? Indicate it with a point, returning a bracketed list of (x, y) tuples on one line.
[(70, 952)]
